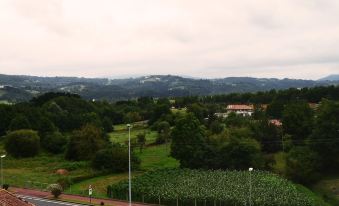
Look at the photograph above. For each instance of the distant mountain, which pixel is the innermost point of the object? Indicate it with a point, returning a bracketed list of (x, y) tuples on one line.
[(333, 77), (14, 88)]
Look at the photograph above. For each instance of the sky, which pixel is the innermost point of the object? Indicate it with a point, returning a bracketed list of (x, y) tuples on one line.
[(198, 38)]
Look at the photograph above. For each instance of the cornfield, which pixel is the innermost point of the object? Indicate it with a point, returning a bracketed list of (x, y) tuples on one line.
[(196, 187)]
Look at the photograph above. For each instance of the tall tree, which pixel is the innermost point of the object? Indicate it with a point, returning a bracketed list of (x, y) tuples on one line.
[(188, 142), (324, 138), (298, 121)]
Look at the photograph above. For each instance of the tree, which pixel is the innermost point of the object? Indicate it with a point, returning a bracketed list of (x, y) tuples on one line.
[(269, 135), (275, 109), (22, 143), (6, 115), (84, 143), (54, 142), (114, 159), (324, 139), (107, 124), (302, 164), (189, 142), (19, 122), (141, 139), (132, 117), (235, 149), (298, 121)]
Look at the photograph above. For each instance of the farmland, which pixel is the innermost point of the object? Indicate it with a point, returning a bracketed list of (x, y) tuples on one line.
[(191, 187)]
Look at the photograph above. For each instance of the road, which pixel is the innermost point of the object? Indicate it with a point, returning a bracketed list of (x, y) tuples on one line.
[(46, 202)]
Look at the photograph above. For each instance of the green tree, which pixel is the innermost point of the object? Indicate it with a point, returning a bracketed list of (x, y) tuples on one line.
[(114, 159), (235, 149), (269, 135), (298, 121), (188, 142), (107, 124), (141, 139), (54, 142), (19, 122), (84, 143), (302, 164), (324, 139), (22, 143)]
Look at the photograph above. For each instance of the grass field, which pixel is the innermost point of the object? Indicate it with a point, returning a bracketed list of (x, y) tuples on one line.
[(328, 188), (154, 157), (121, 136), (41, 170)]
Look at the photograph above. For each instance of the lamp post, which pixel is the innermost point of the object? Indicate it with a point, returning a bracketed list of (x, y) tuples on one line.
[(129, 165), (2, 176), (250, 196)]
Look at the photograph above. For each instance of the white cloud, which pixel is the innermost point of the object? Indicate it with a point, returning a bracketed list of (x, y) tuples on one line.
[(216, 38)]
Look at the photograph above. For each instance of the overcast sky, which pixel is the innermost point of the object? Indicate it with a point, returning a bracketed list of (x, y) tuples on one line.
[(199, 38)]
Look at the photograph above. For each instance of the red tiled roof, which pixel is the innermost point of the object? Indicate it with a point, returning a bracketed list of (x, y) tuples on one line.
[(240, 107), (276, 122), (8, 199)]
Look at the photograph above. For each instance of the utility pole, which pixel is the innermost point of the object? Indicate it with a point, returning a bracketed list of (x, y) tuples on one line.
[(2, 175), (250, 195), (129, 165)]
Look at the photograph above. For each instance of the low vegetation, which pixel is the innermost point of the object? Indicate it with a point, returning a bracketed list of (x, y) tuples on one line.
[(191, 187)]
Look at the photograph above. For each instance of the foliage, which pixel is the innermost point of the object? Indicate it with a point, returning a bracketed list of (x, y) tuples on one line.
[(235, 149), (55, 190), (54, 142), (5, 186), (324, 139), (114, 159), (302, 164), (84, 143), (141, 139), (226, 187), (188, 142), (19, 122), (298, 121), (22, 143)]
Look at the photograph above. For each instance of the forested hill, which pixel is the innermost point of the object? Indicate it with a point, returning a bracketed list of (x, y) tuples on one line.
[(15, 88)]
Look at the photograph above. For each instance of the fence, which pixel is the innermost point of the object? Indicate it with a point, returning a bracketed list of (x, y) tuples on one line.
[(123, 195)]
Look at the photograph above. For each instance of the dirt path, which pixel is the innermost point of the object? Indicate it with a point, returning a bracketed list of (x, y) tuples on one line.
[(75, 198)]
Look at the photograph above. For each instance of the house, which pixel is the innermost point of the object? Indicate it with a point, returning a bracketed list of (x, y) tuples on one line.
[(275, 122), (9, 199), (240, 109)]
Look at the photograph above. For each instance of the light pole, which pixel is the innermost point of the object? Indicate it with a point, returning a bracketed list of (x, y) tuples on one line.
[(250, 196), (2, 176), (129, 165)]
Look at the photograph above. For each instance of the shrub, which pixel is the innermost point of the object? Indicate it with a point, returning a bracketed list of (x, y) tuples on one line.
[(302, 164), (5, 186), (54, 142), (114, 159), (55, 190), (64, 182), (22, 143), (84, 143)]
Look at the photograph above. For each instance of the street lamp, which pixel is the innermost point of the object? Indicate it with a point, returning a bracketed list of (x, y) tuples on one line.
[(250, 170), (2, 176), (129, 165)]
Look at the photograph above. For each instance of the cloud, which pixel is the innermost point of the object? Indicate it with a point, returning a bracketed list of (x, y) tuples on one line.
[(213, 38)]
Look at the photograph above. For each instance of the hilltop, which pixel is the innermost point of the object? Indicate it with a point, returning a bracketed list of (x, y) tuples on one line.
[(16, 88)]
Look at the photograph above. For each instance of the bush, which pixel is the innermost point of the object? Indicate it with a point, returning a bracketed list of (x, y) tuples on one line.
[(22, 143), (5, 186), (55, 190), (64, 182), (114, 159), (301, 165), (84, 143), (54, 142)]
